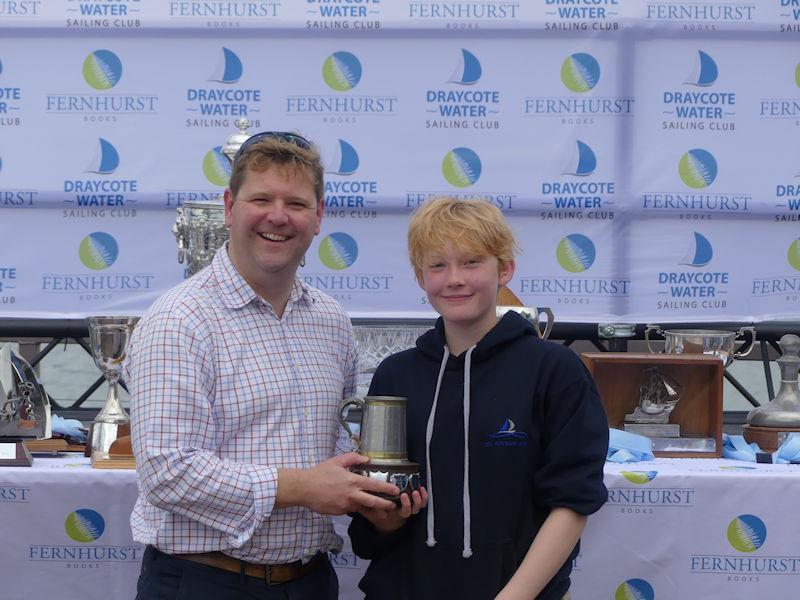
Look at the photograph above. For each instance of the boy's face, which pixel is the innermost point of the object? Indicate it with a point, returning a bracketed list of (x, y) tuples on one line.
[(462, 285)]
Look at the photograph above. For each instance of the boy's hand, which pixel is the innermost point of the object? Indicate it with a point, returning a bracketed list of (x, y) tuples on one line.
[(387, 521)]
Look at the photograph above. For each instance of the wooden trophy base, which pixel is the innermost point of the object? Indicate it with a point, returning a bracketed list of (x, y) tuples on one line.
[(769, 439), (120, 456), (15, 454)]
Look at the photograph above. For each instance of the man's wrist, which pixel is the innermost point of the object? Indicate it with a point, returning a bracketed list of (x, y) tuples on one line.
[(291, 488)]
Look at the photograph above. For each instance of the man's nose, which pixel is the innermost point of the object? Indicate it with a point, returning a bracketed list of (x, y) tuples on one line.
[(277, 214)]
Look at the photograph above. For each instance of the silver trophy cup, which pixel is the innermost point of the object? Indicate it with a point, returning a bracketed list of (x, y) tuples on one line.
[(383, 439), (108, 338), (199, 227), (534, 315)]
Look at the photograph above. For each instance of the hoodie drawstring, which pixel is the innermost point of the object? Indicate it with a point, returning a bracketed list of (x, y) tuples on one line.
[(431, 541), (467, 551)]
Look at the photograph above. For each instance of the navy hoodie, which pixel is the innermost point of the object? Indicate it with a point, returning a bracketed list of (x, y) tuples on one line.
[(538, 438)]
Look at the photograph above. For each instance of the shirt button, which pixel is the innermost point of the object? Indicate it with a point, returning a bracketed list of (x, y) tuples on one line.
[(305, 412)]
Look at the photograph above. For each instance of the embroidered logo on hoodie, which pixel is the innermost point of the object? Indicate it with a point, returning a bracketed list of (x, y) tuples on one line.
[(507, 435)]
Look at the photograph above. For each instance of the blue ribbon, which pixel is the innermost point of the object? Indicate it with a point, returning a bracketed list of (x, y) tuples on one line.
[(626, 447), (735, 447)]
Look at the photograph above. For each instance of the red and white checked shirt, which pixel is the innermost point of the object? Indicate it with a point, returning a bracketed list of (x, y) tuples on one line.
[(223, 393)]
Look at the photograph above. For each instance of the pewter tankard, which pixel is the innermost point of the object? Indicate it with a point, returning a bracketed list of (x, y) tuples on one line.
[(383, 439)]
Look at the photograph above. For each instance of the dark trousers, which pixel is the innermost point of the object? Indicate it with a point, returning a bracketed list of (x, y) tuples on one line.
[(164, 577)]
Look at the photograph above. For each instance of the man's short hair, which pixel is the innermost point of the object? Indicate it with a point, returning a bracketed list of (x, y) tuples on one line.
[(471, 225), (274, 151)]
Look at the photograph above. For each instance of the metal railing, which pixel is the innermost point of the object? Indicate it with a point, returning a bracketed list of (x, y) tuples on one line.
[(39, 337)]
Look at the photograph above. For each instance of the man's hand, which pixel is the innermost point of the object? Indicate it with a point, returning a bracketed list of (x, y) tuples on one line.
[(387, 521), (330, 489)]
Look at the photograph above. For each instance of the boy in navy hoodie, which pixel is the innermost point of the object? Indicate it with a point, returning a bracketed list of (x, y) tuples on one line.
[(508, 429)]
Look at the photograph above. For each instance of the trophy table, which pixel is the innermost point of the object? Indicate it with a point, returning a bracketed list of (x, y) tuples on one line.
[(769, 425), (109, 338)]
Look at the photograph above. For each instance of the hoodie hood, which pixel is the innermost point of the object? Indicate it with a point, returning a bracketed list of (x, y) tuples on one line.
[(509, 328)]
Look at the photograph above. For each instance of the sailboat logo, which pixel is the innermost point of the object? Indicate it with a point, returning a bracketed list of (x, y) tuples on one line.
[(344, 160), (583, 162), (229, 70), (698, 168), (700, 252), (704, 72), (468, 69), (509, 431), (106, 159)]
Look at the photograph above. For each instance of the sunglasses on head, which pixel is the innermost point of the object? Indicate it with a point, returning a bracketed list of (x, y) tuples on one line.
[(292, 138)]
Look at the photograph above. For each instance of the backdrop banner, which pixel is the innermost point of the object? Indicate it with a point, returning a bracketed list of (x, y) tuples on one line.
[(645, 153)]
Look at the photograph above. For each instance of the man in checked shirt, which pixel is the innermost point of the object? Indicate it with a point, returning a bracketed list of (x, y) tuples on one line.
[(235, 376)]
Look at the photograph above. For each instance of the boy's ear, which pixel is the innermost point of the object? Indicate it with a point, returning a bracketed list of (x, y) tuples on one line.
[(418, 277), (505, 271)]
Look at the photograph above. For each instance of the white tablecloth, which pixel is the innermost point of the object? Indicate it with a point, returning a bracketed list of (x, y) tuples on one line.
[(673, 528)]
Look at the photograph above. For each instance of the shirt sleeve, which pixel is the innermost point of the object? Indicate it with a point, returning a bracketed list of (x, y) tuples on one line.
[(171, 378), (574, 439)]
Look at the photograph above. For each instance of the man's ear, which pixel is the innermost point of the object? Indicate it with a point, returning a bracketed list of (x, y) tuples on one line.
[(228, 197)]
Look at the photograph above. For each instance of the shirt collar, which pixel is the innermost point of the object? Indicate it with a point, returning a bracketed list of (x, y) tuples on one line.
[(236, 292)]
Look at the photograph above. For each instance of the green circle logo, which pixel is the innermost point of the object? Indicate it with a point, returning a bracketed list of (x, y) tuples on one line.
[(338, 251), (639, 477), (98, 250), (216, 167), (580, 72), (747, 533), (697, 168), (102, 69), (341, 71), (793, 255), (84, 525)]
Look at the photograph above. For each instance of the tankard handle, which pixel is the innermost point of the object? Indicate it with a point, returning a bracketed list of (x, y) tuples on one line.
[(548, 327), (344, 404), (647, 331), (747, 347)]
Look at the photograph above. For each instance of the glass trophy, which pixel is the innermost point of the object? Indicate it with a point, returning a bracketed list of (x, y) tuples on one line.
[(108, 337)]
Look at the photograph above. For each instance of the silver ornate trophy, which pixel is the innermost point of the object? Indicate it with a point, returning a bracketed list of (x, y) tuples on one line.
[(24, 409), (382, 438), (658, 395), (199, 226), (769, 425), (108, 338), (704, 341)]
